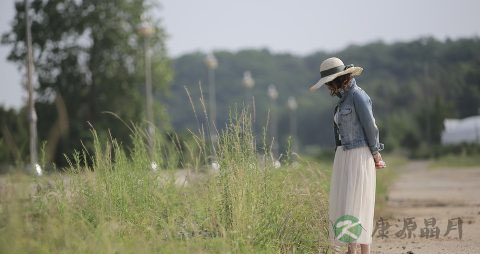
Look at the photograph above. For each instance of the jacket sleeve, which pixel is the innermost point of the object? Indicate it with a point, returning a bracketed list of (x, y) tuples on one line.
[(363, 107)]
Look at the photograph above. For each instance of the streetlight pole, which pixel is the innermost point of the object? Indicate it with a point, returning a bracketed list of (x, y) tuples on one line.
[(292, 105), (212, 64), (32, 116), (249, 83), (273, 95), (146, 31)]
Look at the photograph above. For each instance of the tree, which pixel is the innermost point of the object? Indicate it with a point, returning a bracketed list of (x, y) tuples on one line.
[(89, 61)]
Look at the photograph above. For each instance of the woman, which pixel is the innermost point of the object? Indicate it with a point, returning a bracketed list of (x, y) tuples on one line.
[(357, 154)]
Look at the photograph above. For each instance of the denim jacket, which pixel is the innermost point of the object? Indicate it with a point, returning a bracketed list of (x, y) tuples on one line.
[(356, 124)]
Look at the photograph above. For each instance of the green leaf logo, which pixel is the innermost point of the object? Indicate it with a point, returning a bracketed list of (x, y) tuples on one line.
[(347, 228)]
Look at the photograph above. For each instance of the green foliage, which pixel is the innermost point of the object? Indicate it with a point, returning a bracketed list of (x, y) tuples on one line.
[(455, 161), (384, 179), (118, 205), (88, 61), (414, 86), (13, 136)]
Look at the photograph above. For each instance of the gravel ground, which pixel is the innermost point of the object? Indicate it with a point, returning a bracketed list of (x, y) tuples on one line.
[(421, 194)]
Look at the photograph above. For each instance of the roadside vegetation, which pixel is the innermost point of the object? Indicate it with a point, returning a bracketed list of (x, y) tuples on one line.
[(385, 178), (110, 201), (456, 156), (456, 161)]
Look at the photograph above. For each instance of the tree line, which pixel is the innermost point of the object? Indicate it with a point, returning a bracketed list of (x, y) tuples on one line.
[(414, 86)]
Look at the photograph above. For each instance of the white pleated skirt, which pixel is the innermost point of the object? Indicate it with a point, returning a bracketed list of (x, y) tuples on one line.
[(352, 193)]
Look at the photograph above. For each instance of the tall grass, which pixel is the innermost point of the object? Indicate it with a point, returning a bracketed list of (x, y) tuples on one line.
[(117, 204)]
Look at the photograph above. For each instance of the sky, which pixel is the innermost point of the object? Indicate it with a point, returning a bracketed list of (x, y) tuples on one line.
[(299, 27)]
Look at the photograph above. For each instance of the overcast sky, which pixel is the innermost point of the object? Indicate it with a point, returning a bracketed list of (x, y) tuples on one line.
[(300, 26)]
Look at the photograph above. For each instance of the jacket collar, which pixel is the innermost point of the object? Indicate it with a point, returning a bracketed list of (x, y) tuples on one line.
[(344, 95)]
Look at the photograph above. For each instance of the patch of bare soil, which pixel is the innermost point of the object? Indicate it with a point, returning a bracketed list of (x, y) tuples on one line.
[(425, 203)]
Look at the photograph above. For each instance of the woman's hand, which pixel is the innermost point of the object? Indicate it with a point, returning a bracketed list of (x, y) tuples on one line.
[(379, 163)]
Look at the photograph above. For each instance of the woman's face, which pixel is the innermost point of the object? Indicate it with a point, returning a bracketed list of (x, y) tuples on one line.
[(331, 86)]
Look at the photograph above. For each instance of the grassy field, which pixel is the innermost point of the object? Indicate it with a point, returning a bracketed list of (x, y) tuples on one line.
[(116, 204), (385, 178), (456, 161)]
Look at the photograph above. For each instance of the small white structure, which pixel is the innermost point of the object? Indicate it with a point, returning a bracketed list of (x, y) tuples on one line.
[(154, 166), (277, 164), (38, 169), (459, 131), (215, 166)]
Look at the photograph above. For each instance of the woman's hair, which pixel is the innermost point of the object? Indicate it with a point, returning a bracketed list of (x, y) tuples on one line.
[(340, 83)]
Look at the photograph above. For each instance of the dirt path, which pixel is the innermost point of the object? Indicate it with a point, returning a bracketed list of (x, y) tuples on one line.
[(444, 194)]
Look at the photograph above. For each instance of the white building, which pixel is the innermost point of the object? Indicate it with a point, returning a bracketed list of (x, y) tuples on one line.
[(459, 131)]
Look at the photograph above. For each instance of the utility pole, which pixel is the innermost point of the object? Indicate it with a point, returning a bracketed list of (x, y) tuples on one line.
[(146, 31), (32, 115), (212, 64), (249, 83), (292, 105), (273, 95)]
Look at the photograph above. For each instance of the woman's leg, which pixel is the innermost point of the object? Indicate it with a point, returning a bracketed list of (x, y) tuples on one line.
[(365, 248), (352, 248)]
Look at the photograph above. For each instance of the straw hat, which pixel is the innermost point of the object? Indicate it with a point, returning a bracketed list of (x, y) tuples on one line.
[(332, 68)]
